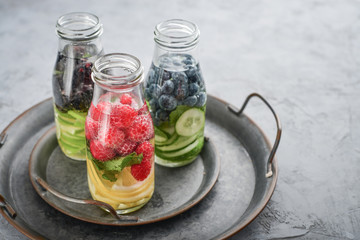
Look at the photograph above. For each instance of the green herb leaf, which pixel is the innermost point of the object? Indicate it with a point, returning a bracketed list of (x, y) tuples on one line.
[(118, 164), (112, 167)]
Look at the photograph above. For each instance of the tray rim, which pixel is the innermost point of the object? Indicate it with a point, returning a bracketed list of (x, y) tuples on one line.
[(223, 235), (188, 204)]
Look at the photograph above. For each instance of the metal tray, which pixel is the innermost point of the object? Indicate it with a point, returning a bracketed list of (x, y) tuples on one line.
[(62, 183), (246, 182)]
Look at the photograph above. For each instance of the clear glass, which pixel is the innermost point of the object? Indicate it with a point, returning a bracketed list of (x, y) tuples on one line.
[(175, 91), (119, 135), (79, 46)]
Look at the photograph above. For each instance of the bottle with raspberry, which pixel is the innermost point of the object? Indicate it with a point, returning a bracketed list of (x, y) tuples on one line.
[(119, 135), (175, 91), (79, 46)]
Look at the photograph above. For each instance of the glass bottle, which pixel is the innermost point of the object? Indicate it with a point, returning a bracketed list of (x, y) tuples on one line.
[(176, 94), (79, 46), (119, 135)]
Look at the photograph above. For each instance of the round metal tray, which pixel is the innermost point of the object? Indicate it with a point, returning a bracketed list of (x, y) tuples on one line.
[(62, 183), (246, 182)]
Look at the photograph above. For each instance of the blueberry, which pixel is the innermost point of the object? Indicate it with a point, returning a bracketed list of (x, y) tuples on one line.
[(201, 99), (151, 76), (168, 87), (167, 102), (179, 76), (166, 75), (189, 60), (181, 90), (192, 74), (190, 101), (154, 90), (162, 115), (148, 95), (193, 89), (153, 104)]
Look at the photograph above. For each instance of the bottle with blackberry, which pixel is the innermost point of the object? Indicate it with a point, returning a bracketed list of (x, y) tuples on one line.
[(176, 94), (79, 46)]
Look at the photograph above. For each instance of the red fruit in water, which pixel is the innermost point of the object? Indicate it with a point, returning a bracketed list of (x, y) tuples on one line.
[(101, 152), (126, 148), (141, 129), (142, 170), (91, 128), (147, 149), (111, 137), (122, 116), (100, 109), (126, 99), (143, 109)]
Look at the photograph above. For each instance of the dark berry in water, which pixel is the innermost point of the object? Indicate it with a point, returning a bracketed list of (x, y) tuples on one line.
[(162, 115), (147, 94), (151, 76), (193, 89), (168, 87), (153, 104), (181, 90), (167, 102), (166, 75), (155, 90), (179, 76), (201, 99), (190, 101)]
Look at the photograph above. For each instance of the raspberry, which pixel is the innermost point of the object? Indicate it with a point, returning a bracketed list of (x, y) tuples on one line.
[(122, 116), (111, 137), (147, 149), (126, 148), (100, 109), (91, 128), (100, 152), (126, 99), (143, 110), (142, 129), (142, 170)]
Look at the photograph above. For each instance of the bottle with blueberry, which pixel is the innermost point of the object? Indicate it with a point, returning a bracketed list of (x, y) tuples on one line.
[(119, 135), (79, 46), (176, 95)]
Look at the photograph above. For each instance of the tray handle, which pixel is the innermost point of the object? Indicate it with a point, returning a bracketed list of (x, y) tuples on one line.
[(9, 210), (108, 207), (269, 172)]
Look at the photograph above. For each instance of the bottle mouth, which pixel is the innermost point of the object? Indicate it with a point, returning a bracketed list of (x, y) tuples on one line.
[(79, 26), (176, 34), (117, 71)]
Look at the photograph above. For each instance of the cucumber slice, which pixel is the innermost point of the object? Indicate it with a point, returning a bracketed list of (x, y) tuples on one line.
[(186, 153), (169, 130), (160, 136), (171, 140), (180, 143), (78, 115), (181, 152), (190, 122)]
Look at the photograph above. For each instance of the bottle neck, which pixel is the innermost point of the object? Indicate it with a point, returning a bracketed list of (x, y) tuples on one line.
[(80, 49), (175, 37), (117, 72)]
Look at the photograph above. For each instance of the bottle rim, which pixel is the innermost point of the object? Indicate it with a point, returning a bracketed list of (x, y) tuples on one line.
[(176, 34), (78, 26), (130, 66)]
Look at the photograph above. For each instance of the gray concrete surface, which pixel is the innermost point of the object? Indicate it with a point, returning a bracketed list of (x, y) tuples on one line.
[(303, 56)]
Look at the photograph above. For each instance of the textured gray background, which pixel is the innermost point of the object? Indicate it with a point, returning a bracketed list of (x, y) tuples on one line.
[(303, 56)]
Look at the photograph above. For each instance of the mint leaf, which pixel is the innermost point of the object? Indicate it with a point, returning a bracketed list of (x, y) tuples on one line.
[(110, 175), (174, 115), (118, 164)]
